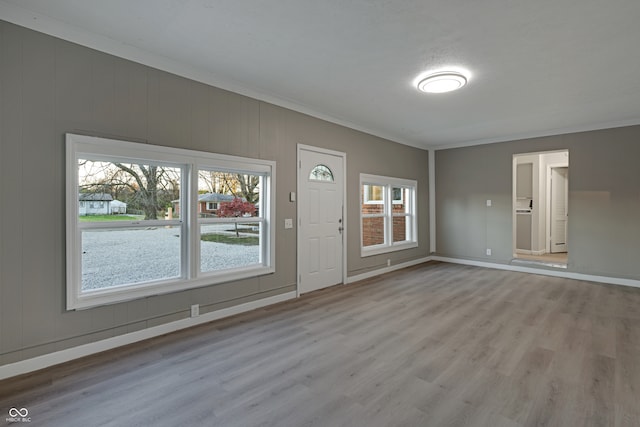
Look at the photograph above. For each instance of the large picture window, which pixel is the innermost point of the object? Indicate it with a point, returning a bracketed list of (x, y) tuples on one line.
[(144, 220), (387, 214)]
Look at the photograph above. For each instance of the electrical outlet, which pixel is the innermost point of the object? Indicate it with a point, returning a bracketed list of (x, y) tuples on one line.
[(488, 252), (489, 203), (288, 223), (388, 263), (195, 310)]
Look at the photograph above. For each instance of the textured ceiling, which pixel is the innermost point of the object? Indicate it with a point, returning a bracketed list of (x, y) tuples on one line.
[(537, 68)]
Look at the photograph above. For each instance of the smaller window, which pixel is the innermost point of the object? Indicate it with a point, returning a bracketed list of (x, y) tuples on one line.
[(385, 226), (321, 173), (212, 206)]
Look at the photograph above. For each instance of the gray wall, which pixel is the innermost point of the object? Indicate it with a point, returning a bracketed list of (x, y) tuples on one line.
[(49, 87), (604, 200)]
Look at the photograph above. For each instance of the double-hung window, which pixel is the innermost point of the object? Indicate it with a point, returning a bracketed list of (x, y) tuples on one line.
[(387, 214), (158, 242)]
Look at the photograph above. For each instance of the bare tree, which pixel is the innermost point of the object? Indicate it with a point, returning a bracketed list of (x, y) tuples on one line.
[(214, 182), (248, 185), (243, 186), (147, 184)]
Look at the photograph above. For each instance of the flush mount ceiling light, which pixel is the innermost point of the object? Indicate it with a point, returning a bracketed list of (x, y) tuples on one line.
[(441, 82)]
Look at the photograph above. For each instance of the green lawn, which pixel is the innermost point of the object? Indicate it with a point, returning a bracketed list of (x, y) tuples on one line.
[(231, 239), (100, 218)]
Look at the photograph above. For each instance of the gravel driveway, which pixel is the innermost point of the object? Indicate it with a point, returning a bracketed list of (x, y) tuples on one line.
[(112, 258)]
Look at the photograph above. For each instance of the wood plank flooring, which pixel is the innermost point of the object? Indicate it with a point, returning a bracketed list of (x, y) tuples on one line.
[(433, 345)]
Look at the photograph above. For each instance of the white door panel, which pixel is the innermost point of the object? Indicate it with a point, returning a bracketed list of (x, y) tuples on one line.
[(321, 220)]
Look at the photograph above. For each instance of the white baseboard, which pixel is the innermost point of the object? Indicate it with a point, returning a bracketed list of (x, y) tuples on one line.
[(55, 358), (555, 273), (528, 252), (384, 270)]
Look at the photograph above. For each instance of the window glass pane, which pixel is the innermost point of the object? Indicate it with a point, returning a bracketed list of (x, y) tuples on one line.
[(399, 196), (321, 173), (401, 199), (114, 257), (372, 231), (111, 191), (224, 194), (401, 230), (372, 199), (229, 245)]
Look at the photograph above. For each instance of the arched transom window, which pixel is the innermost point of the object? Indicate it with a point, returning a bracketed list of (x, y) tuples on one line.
[(321, 173)]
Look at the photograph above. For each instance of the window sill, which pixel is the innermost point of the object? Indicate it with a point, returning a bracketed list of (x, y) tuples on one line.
[(119, 294), (376, 250)]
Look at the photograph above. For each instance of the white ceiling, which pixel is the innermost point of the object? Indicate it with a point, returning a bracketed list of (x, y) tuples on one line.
[(537, 67)]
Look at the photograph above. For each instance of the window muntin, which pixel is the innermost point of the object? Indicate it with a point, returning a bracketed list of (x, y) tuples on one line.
[(388, 214), (149, 251)]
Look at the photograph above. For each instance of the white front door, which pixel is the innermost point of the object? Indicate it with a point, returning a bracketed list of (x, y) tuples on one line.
[(320, 218), (559, 210)]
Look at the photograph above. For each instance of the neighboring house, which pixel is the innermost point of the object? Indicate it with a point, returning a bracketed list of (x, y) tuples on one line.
[(208, 203), (95, 203), (118, 207)]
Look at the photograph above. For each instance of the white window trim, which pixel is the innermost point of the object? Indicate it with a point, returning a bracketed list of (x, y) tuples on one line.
[(79, 146), (388, 183)]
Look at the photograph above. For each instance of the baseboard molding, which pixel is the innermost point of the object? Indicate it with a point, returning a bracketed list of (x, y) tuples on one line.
[(529, 252), (373, 273), (55, 358), (555, 273)]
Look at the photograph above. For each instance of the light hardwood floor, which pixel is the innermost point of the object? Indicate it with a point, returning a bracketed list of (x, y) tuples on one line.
[(433, 345)]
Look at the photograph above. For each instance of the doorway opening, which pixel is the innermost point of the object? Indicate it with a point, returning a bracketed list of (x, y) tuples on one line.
[(541, 208)]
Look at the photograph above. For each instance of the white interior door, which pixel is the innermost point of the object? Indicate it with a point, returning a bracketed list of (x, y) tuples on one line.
[(559, 208), (320, 219)]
